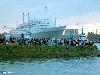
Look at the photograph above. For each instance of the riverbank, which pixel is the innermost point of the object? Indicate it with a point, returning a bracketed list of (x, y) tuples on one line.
[(19, 52)]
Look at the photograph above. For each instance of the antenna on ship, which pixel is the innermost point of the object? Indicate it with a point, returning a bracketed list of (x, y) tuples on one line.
[(23, 17), (16, 23)]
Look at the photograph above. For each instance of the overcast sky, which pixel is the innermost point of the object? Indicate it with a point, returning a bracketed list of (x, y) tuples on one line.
[(66, 11)]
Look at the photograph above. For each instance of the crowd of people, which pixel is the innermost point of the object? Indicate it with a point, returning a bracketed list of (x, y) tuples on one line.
[(45, 41)]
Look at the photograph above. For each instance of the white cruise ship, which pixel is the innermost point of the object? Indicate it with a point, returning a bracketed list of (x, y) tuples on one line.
[(38, 28)]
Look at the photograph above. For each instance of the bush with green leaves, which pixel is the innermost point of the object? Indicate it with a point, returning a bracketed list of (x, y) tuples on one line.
[(17, 52)]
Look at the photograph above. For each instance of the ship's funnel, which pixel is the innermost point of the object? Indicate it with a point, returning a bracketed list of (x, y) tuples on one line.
[(82, 30), (23, 17), (55, 21), (45, 11), (28, 17)]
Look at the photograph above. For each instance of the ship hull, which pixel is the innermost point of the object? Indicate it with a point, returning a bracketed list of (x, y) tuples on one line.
[(55, 32)]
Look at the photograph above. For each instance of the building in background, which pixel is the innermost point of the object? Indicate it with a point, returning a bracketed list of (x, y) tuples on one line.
[(72, 34), (93, 37)]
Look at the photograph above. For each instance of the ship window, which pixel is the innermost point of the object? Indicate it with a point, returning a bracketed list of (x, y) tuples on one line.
[(21, 27), (33, 24), (39, 22), (43, 25), (47, 22)]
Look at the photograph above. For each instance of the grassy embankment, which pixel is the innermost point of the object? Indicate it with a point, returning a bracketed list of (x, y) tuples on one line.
[(18, 52)]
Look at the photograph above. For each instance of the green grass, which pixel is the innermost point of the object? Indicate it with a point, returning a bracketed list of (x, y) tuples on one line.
[(19, 52)]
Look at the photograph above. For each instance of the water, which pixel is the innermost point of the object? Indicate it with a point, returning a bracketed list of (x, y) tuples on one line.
[(81, 66)]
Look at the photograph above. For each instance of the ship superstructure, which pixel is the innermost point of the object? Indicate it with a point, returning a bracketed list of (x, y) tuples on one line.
[(34, 26), (38, 28)]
